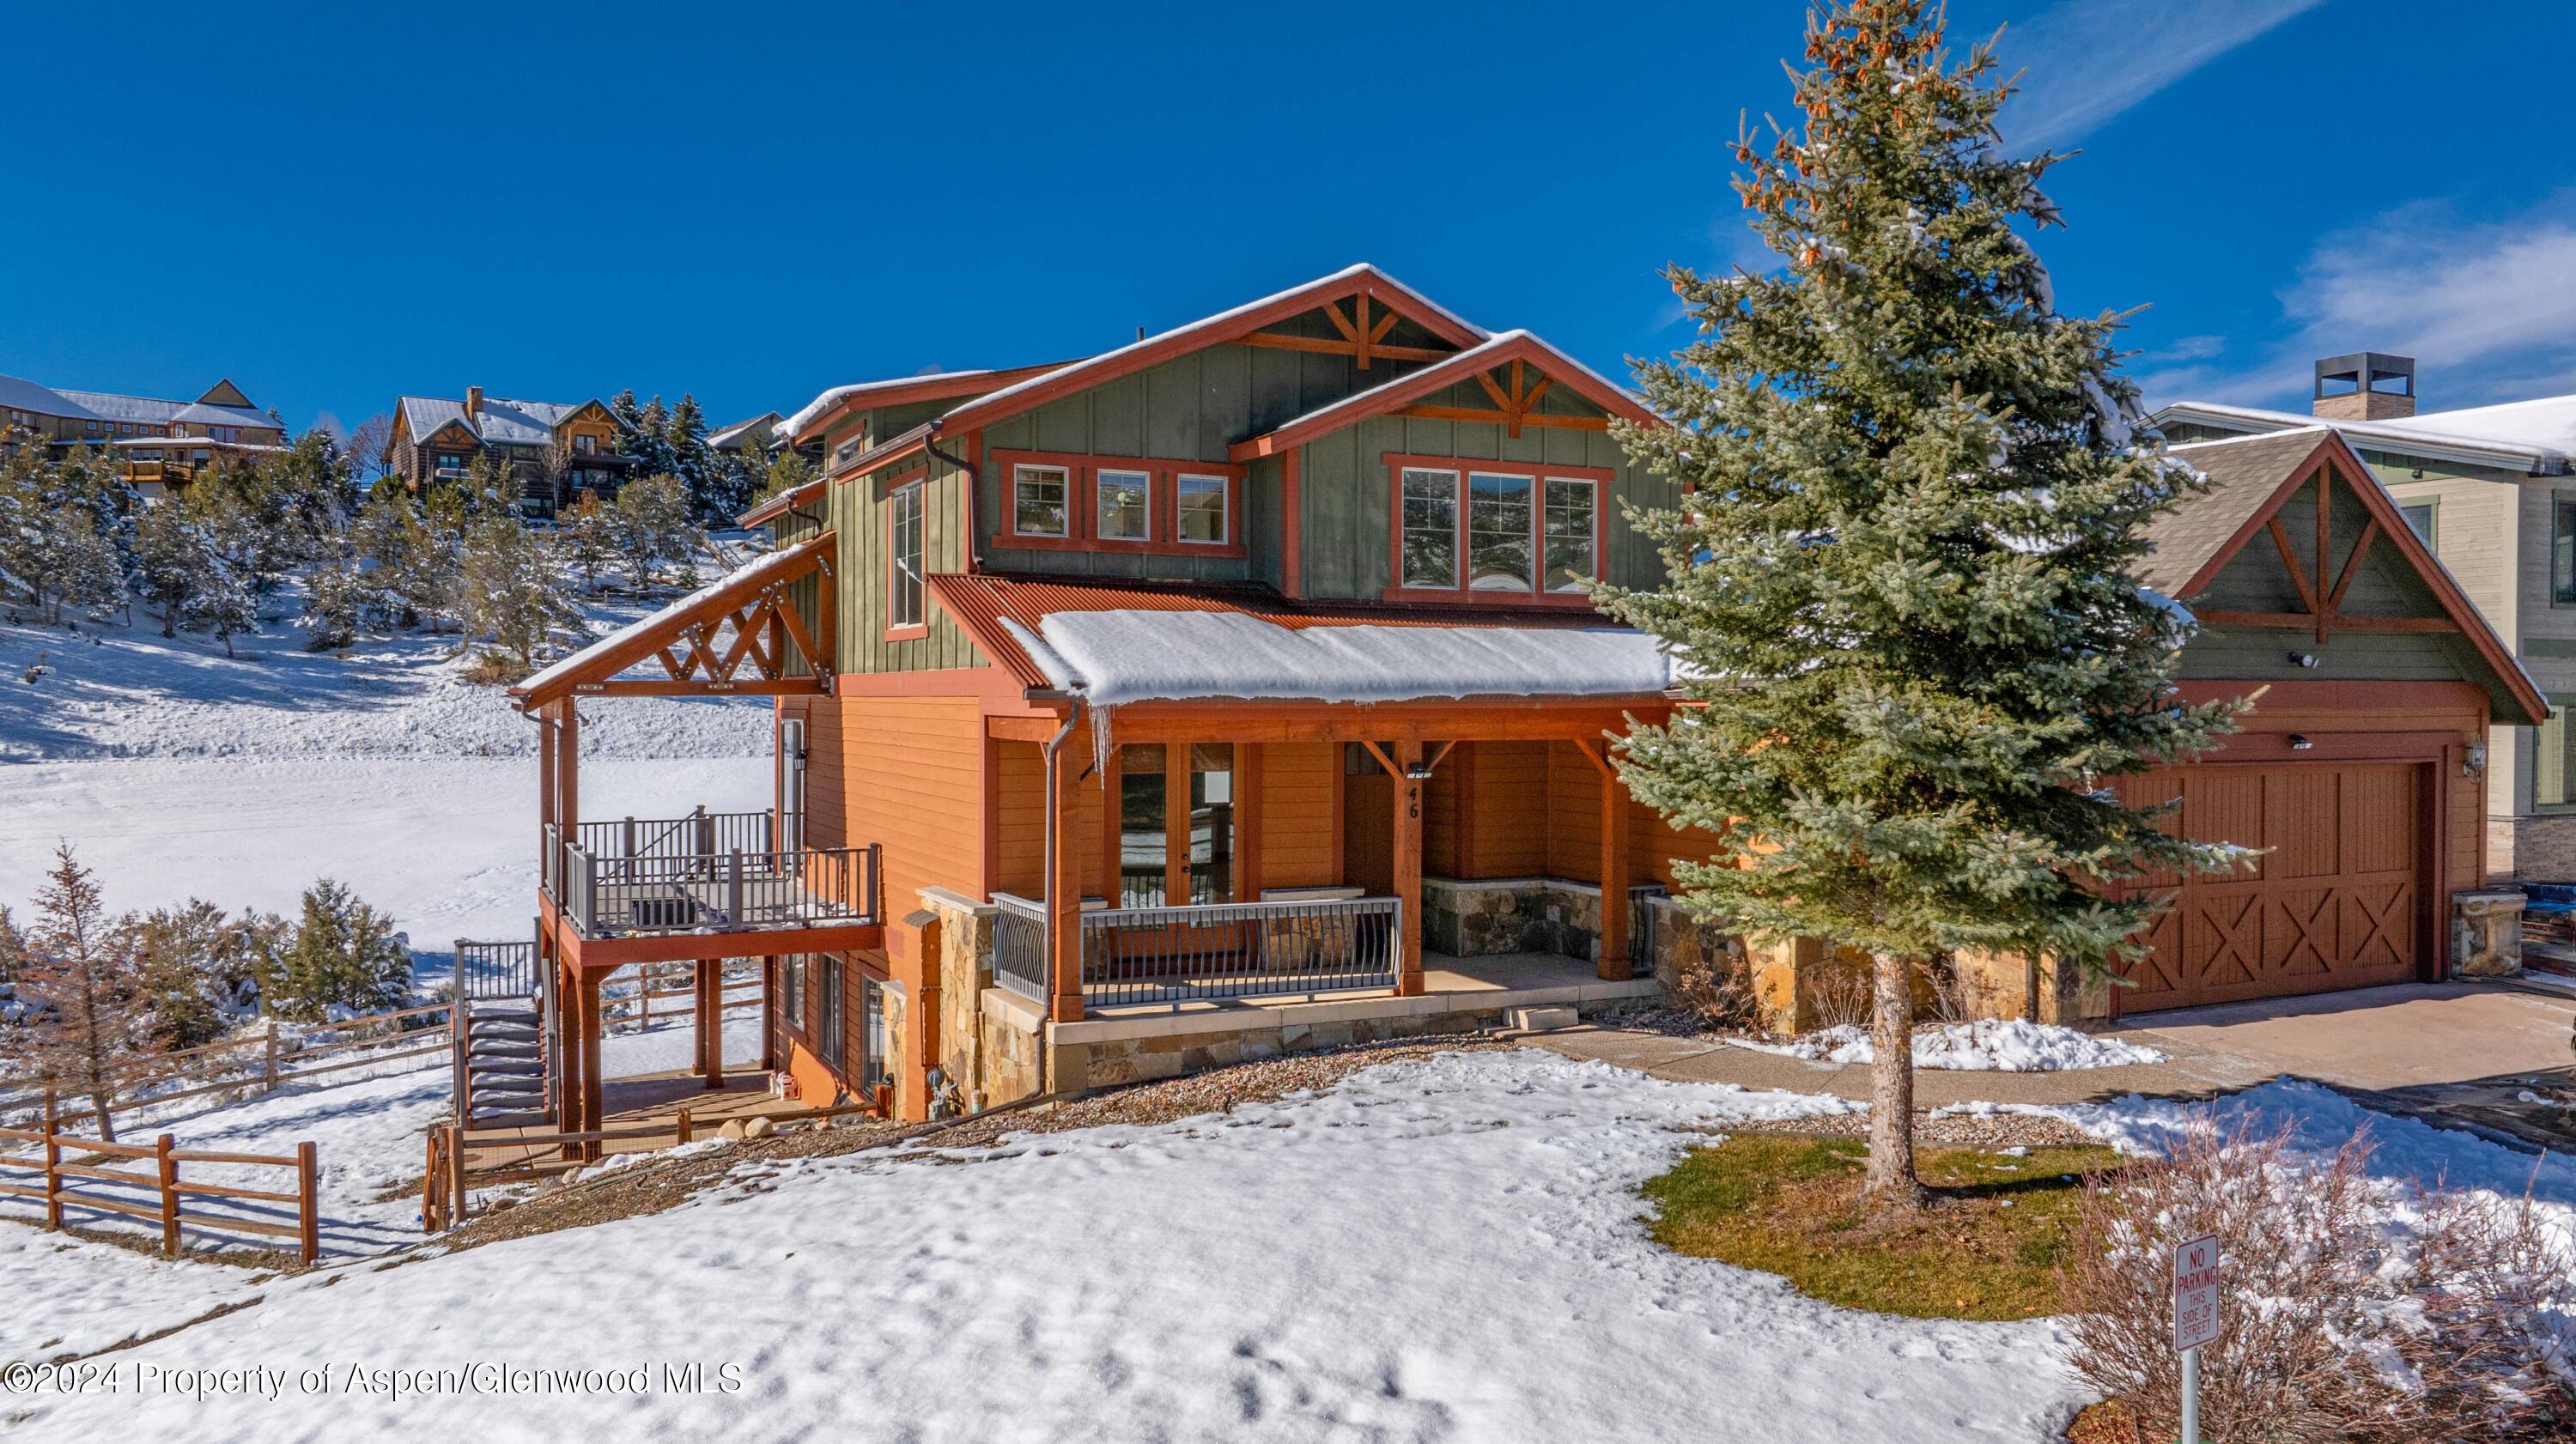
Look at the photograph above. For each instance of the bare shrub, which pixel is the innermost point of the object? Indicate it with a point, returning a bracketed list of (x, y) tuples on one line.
[(1713, 984), (1839, 994), (2350, 1309), (492, 668), (1957, 994)]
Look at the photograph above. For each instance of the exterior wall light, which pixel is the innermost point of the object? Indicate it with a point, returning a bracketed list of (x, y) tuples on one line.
[(2303, 659), (2299, 742), (2473, 759), (1418, 772)]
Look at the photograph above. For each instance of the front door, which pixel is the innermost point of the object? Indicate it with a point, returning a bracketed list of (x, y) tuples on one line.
[(1368, 823)]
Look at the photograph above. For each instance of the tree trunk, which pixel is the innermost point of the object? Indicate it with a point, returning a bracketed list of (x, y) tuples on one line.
[(106, 1128), (1891, 1183)]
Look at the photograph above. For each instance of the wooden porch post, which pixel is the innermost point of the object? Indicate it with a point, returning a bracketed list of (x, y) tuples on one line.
[(568, 759), (1615, 965), (1408, 869), (1064, 898), (769, 1019), (1176, 824), (710, 983), (545, 777)]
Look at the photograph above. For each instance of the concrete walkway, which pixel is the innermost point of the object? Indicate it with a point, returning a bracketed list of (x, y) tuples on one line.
[(2416, 1048)]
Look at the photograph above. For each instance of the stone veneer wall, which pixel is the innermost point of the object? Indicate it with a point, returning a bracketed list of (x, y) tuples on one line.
[(1074, 1067), (2540, 848)]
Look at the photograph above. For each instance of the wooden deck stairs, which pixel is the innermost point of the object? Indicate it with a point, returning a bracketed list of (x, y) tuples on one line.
[(504, 1072)]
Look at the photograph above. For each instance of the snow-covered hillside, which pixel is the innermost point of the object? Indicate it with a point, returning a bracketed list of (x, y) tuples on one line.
[(179, 773)]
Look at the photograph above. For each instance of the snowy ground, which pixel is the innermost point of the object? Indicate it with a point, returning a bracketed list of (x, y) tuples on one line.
[(1446, 1250), (178, 774), (2010, 1045), (367, 1130)]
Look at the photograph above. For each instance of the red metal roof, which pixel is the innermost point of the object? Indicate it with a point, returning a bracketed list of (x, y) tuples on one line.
[(980, 601)]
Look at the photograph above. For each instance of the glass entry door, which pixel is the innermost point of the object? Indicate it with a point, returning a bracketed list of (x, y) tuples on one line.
[(1175, 824)]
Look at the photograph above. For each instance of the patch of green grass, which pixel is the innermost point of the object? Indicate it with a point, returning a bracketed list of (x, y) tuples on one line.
[(1985, 1247)]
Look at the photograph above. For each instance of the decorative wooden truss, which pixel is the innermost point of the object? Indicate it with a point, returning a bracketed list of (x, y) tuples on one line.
[(737, 637), (2320, 585), (1363, 337), (1513, 399)]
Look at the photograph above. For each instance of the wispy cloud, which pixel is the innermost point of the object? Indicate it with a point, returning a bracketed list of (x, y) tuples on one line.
[(2485, 307), (2089, 60)]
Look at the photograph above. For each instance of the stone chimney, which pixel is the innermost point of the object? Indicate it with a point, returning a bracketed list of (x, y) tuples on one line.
[(474, 407), (2365, 386)]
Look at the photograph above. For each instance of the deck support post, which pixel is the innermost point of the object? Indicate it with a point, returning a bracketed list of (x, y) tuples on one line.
[(1408, 868), (769, 1019), (1064, 897), (592, 1104), (711, 1020), (1616, 965)]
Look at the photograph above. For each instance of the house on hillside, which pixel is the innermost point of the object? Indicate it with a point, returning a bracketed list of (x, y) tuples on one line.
[(755, 436), (2488, 490), (1236, 691), (556, 450), (165, 442)]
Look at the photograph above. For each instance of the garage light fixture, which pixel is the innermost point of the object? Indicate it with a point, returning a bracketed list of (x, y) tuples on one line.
[(2299, 742), (2303, 659), (2473, 759)]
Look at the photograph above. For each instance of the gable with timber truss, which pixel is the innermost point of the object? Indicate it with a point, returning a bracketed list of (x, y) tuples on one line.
[(2297, 564), (766, 629)]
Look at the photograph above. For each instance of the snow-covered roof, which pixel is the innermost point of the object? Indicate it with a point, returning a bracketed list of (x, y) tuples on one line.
[(502, 421), (1110, 362), (832, 399), (1112, 658), (727, 437), (1448, 371), (20, 394), (2537, 435), (154, 411)]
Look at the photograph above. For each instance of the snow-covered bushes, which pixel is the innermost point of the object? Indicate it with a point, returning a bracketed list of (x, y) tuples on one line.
[(2350, 1308)]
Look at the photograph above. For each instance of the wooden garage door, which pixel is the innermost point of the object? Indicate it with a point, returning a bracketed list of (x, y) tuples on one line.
[(2335, 902)]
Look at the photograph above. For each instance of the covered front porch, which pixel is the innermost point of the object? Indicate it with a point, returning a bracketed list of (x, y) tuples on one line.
[(1313, 849)]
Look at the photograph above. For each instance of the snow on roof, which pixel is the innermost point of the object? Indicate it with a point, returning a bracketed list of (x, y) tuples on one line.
[(2540, 434), (502, 422), (20, 394), (805, 416), (1110, 358), (720, 439), (1111, 658), (1467, 362)]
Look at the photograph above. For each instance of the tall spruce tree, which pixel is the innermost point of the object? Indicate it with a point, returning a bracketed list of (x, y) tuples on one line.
[(1904, 579), (83, 963)]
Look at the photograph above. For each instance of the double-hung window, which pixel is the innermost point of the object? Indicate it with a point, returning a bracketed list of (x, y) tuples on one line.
[(831, 1030), (1203, 521), (1124, 503), (1039, 505), (903, 547), (1495, 530), (874, 1040)]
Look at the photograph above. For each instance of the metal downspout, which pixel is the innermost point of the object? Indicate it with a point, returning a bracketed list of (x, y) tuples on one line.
[(1054, 745)]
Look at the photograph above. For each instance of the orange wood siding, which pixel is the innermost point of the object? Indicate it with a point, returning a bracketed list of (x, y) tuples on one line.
[(1297, 813), (1020, 817), (1443, 814), (1508, 781), (905, 772)]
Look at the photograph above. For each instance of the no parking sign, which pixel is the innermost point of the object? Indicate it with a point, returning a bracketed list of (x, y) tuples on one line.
[(2195, 1292)]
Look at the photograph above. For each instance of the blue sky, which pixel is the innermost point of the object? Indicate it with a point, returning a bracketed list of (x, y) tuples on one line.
[(333, 204)]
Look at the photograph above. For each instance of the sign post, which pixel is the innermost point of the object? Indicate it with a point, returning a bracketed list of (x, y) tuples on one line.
[(2195, 1302)]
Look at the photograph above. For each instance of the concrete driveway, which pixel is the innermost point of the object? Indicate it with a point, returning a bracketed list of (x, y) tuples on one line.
[(2449, 1052)]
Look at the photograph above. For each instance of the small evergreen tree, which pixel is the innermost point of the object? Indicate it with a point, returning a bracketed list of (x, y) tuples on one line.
[(651, 526), (588, 535), (785, 472), (1905, 580), (171, 559), (692, 461), (83, 963), (344, 956), (648, 435), (513, 590), (337, 598), (187, 958)]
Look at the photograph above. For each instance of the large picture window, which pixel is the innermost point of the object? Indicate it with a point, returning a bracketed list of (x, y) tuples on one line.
[(903, 546), (1494, 532), (1038, 501)]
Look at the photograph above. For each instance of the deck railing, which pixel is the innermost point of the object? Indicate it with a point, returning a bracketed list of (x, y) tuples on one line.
[(496, 970), (701, 834), (1222, 950), (617, 894)]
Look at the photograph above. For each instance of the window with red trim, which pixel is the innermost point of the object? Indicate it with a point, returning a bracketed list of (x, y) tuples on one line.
[(903, 556), (1059, 500), (1480, 531)]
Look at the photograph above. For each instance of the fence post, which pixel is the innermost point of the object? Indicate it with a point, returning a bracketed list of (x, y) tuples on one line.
[(456, 1172), (53, 1162), (169, 1194), (704, 833), (308, 1217), (686, 1134), (269, 1067)]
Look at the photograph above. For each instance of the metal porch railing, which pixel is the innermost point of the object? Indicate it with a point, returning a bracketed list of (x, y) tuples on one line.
[(669, 885), (1222, 950)]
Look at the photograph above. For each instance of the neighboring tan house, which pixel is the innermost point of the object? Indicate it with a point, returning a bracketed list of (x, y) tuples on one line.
[(2489, 489), (1235, 691), (165, 441), (555, 450)]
